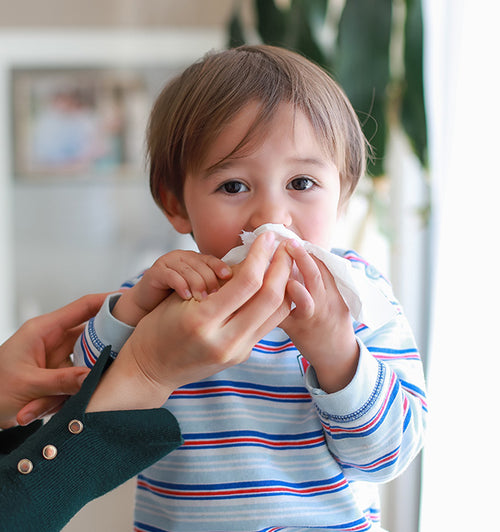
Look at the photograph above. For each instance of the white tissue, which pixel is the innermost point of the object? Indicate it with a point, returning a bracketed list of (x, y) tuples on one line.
[(366, 302)]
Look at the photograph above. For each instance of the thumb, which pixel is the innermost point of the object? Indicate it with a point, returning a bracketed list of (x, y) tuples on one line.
[(59, 381), (39, 408), (49, 391)]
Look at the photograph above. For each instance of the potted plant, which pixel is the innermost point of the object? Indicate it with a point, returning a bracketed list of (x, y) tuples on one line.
[(374, 49)]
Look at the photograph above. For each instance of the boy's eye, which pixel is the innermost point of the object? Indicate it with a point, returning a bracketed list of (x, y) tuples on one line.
[(233, 187), (301, 183)]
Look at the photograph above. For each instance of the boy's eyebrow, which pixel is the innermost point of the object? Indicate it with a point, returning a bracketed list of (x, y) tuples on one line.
[(230, 162), (308, 160), (221, 165)]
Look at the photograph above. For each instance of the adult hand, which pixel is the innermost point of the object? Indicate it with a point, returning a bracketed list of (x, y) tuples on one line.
[(181, 341), (36, 372)]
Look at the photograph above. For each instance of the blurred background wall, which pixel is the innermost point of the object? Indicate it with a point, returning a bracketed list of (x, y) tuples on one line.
[(75, 231), (114, 14)]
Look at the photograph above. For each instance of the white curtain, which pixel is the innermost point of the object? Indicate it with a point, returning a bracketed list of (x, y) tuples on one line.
[(461, 469)]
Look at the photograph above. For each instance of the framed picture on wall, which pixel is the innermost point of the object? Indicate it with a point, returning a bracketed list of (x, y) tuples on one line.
[(69, 122), (76, 104)]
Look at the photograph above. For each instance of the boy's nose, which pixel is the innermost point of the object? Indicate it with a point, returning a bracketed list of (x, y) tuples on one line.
[(270, 211)]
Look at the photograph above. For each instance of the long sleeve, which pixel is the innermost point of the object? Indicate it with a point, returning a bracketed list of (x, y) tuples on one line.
[(12, 438), (76, 457), (310, 459), (375, 426), (100, 331)]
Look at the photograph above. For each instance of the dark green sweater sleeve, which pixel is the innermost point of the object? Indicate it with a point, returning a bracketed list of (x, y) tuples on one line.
[(94, 453)]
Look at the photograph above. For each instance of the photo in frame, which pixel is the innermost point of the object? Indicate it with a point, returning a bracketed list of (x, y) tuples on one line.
[(69, 122)]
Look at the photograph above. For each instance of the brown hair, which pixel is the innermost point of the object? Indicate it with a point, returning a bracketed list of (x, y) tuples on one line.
[(195, 106)]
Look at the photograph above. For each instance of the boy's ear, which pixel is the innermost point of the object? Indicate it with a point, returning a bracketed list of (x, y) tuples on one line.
[(175, 212)]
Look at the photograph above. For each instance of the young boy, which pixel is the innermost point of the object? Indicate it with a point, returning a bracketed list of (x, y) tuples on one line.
[(297, 436)]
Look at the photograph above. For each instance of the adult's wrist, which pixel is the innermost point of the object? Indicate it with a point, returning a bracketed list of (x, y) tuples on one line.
[(124, 386)]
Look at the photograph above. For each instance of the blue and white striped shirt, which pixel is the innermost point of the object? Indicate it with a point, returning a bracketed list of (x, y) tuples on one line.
[(267, 450)]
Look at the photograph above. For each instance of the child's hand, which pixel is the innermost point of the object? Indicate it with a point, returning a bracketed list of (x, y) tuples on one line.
[(180, 342), (320, 325), (189, 274)]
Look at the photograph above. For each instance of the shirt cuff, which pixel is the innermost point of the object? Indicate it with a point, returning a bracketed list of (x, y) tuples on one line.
[(108, 329), (356, 397)]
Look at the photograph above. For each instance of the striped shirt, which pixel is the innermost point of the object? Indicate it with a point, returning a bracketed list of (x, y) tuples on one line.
[(267, 450)]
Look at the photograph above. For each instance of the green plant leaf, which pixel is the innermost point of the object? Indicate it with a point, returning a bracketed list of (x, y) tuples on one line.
[(413, 117), (305, 21), (361, 65), (271, 22), (236, 35), (360, 61)]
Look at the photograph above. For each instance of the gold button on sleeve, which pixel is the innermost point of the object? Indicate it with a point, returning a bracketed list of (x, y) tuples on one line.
[(49, 452), (25, 466), (75, 426)]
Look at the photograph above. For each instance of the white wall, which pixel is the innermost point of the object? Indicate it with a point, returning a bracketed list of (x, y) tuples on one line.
[(60, 239)]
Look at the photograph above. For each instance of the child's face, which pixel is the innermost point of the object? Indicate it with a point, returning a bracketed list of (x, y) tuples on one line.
[(284, 178)]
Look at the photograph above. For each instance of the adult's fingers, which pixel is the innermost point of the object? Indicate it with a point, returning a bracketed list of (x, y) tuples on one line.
[(269, 306), (61, 381), (72, 314), (50, 387), (59, 346), (246, 282), (59, 329), (39, 408)]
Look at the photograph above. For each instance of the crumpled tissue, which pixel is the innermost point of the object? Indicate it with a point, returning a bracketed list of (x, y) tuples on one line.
[(366, 302)]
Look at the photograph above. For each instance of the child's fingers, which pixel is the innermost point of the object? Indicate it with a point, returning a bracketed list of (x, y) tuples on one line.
[(189, 273), (304, 303), (317, 279), (180, 276), (308, 267), (204, 275), (172, 280), (200, 279), (220, 268)]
